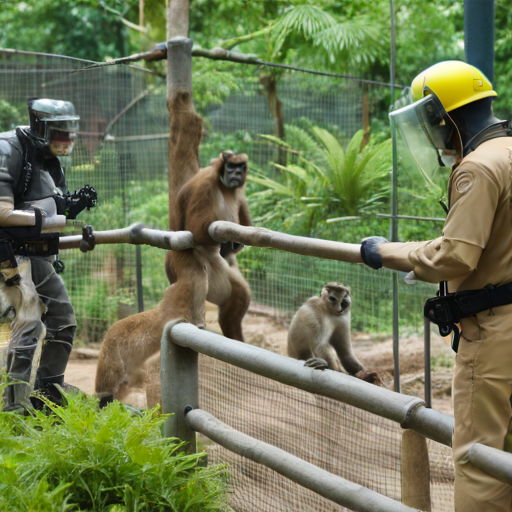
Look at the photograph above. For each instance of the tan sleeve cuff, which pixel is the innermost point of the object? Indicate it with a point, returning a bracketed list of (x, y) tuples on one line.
[(395, 255), (442, 259)]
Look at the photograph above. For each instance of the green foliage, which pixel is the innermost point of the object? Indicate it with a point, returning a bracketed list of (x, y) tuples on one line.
[(78, 28), (214, 81), (352, 41), (321, 180), (442, 360), (503, 56), (10, 116), (79, 458)]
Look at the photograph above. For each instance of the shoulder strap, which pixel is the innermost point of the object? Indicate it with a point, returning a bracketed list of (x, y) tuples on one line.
[(20, 188)]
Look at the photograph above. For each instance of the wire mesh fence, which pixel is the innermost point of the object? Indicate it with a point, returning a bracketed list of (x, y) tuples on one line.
[(122, 152), (348, 442)]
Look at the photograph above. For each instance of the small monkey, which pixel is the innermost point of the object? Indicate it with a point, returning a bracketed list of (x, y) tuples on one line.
[(320, 333)]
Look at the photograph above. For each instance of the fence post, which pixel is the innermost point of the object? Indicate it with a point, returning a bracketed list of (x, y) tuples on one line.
[(415, 470), (179, 382), (427, 362), (138, 267)]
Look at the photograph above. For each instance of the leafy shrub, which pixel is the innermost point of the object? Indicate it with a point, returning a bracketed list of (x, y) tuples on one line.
[(82, 459), (321, 180), (10, 116)]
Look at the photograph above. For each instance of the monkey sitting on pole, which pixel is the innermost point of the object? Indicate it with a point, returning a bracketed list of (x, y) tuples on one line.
[(320, 334)]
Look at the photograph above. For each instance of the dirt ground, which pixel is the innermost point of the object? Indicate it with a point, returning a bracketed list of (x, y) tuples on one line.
[(263, 330)]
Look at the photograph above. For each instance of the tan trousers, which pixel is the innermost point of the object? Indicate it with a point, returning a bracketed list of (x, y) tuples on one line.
[(482, 387)]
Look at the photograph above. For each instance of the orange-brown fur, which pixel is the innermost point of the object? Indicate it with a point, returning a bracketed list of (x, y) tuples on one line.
[(195, 274), (186, 131), (131, 341), (203, 200)]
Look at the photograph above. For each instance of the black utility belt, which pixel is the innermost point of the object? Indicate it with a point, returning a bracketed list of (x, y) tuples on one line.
[(46, 244), (448, 310)]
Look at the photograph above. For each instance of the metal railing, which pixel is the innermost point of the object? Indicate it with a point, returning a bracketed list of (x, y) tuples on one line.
[(182, 342)]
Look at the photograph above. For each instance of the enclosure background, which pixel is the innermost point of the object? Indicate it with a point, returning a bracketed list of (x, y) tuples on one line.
[(122, 152)]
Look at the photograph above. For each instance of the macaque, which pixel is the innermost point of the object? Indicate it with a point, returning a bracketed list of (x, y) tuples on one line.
[(320, 334)]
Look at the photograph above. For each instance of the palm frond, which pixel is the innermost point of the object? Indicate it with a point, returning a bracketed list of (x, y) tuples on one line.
[(273, 185), (275, 140), (296, 171), (354, 148), (299, 138), (345, 37), (306, 20), (333, 151)]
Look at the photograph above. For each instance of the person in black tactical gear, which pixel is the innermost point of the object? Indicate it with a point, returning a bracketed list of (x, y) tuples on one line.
[(34, 205)]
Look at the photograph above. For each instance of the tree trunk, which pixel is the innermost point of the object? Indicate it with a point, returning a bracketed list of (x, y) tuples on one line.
[(269, 83), (179, 100), (178, 18)]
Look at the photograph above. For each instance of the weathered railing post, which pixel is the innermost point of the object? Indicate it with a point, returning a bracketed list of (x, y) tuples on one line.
[(179, 382), (415, 471)]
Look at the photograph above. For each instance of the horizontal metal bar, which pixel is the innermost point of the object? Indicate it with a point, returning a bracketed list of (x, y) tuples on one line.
[(350, 495), (134, 138), (408, 411), (135, 234), (492, 461), (223, 231), (388, 216)]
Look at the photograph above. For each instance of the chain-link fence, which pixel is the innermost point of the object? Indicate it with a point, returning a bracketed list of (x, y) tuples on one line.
[(122, 152)]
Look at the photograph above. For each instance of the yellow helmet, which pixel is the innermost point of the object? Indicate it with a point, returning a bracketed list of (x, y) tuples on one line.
[(454, 82)]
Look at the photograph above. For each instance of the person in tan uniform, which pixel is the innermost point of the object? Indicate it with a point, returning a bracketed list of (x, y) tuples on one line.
[(472, 257)]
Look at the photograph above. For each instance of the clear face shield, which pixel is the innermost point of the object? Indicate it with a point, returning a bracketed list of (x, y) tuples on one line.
[(61, 136), (428, 133)]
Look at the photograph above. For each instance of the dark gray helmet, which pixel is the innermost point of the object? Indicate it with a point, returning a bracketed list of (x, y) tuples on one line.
[(52, 118)]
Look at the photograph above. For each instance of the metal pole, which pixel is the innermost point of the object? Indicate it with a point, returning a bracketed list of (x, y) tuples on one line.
[(394, 206), (428, 381), (350, 495), (479, 35), (179, 379), (407, 410), (140, 291)]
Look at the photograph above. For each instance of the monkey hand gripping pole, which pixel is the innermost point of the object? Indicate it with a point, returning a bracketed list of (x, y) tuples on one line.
[(222, 231)]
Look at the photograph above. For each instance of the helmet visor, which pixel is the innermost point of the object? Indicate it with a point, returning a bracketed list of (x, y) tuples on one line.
[(61, 136), (427, 132)]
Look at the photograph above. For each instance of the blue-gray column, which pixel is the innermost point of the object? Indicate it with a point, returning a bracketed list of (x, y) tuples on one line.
[(479, 35)]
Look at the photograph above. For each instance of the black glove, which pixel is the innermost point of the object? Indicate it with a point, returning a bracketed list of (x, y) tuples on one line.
[(370, 251), (79, 200)]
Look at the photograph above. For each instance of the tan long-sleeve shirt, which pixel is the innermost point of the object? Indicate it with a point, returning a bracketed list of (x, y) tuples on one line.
[(475, 248)]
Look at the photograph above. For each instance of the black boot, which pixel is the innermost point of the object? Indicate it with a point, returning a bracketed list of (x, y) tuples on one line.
[(50, 376)]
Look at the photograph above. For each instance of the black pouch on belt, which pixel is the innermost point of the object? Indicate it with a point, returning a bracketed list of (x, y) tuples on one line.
[(47, 244), (447, 309)]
